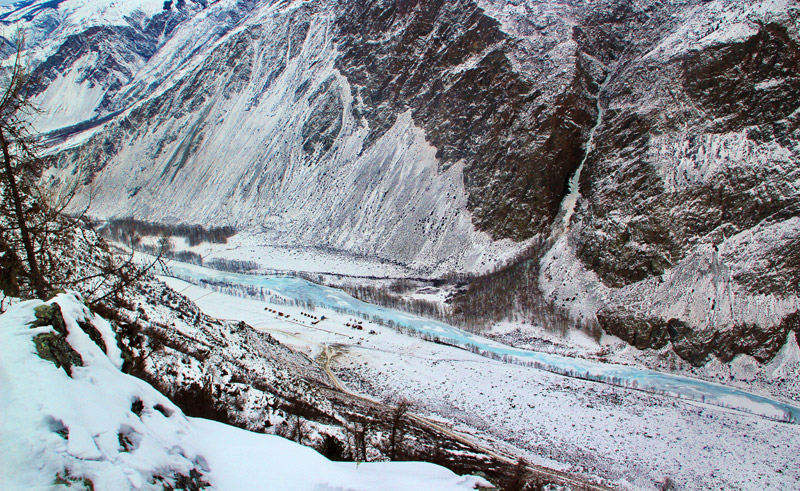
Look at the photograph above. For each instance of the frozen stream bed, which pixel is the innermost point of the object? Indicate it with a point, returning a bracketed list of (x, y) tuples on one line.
[(301, 290)]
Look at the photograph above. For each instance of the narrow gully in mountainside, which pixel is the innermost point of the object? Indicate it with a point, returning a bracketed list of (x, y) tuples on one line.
[(570, 201)]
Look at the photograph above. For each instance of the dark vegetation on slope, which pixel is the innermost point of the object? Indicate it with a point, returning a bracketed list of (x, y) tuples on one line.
[(479, 301), (130, 230), (514, 287)]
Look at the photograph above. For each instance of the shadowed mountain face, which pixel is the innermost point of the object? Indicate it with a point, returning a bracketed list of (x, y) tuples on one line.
[(448, 62), (692, 190), (748, 88), (439, 135)]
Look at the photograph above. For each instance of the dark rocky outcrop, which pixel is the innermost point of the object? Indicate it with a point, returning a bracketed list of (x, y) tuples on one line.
[(697, 346), (448, 63), (641, 332), (755, 82), (53, 346), (622, 175), (116, 49), (321, 129), (650, 203)]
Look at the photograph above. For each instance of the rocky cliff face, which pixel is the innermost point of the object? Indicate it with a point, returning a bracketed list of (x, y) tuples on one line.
[(687, 228), (440, 135), (450, 64)]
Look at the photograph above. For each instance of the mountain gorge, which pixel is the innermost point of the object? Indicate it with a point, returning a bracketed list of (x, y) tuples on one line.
[(550, 243), (651, 147)]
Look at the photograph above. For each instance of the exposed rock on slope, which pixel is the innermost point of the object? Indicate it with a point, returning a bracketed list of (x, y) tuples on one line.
[(688, 225), (448, 62)]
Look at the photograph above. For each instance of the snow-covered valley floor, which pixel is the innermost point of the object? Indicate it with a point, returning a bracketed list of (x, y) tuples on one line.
[(250, 247), (626, 438)]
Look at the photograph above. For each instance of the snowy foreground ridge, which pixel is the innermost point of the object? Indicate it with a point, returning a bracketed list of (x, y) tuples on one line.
[(92, 426)]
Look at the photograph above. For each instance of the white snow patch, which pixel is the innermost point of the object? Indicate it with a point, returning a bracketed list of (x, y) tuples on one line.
[(68, 100)]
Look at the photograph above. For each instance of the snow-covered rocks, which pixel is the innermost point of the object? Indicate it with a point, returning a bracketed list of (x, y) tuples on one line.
[(100, 428), (83, 426)]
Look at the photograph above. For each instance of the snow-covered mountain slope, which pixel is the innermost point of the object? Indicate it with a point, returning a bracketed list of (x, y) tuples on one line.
[(72, 418), (84, 51), (442, 135), (267, 92)]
